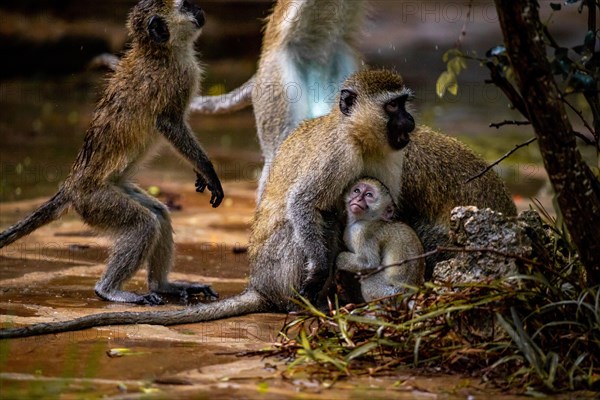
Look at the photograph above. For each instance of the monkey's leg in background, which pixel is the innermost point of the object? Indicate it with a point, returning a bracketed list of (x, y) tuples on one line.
[(135, 230), (160, 259)]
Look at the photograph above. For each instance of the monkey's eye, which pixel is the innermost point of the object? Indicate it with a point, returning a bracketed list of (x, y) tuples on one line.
[(369, 194), (392, 107), (357, 190)]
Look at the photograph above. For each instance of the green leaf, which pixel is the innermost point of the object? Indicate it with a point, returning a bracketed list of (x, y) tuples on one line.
[(453, 89), (263, 387), (361, 350), (452, 53), (553, 359), (456, 65), (444, 82), (416, 351), (318, 355)]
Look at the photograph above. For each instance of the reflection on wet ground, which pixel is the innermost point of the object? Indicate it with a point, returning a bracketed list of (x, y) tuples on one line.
[(50, 275)]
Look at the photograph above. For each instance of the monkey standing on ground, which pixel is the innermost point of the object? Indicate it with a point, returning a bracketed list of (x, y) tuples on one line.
[(295, 231), (146, 98), (307, 52), (374, 239)]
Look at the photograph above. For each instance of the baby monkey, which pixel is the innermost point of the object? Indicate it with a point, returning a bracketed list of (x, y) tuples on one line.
[(374, 239)]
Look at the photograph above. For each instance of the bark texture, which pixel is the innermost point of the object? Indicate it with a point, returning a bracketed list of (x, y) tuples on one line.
[(578, 190)]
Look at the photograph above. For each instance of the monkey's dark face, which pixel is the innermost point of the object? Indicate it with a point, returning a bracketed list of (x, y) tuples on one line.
[(369, 202), (195, 11), (399, 121), (159, 22)]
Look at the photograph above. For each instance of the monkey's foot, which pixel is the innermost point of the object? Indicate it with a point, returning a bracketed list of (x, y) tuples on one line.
[(121, 296), (184, 289), (152, 299)]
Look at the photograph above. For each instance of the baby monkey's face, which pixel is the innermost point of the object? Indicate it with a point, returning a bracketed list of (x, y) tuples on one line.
[(367, 201)]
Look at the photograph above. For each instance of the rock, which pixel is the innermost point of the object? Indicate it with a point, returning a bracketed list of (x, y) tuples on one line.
[(487, 229)]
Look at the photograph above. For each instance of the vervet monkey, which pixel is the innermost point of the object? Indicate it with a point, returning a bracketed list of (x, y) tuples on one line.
[(147, 98), (294, 236), (374, 239), (308, 49)]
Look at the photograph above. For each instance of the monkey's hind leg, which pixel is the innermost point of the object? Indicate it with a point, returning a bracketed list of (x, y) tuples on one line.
[(136, 231), (160, 258)]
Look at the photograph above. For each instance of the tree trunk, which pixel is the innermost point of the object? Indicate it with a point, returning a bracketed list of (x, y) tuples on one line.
[(577, 189)]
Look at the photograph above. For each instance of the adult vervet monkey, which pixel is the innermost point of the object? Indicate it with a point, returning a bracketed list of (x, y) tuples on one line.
[(146, 98)]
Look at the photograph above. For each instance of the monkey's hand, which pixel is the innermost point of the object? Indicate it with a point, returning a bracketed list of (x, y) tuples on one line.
[(348, 261), (215, 189)]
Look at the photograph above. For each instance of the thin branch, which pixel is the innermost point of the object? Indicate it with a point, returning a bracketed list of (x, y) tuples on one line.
[(442, 249), (550, 38), (463, 31), (593, 102), (373, 271), (507, 88), (591, 23), (497, 125), (585, 123), (585, 139), (492, 165)]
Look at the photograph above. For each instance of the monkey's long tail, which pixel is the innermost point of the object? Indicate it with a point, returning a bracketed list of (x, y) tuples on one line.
[(46, 213), (235, 100), (247, 302)]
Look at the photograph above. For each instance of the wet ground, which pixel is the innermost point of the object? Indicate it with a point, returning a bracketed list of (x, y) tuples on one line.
[(49, 276)]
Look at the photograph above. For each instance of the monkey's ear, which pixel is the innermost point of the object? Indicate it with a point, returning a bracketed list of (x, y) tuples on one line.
[(347, 99), (389, 213), (158, 29)]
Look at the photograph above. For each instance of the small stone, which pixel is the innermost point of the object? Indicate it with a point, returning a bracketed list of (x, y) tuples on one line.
[(487, 229)]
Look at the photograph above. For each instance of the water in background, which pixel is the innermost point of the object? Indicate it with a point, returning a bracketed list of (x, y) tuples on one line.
[(47, 92)]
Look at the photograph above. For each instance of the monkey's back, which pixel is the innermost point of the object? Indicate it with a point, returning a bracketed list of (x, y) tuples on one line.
[(400, 242), (123, 127), (435, 171), (384, 244)]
